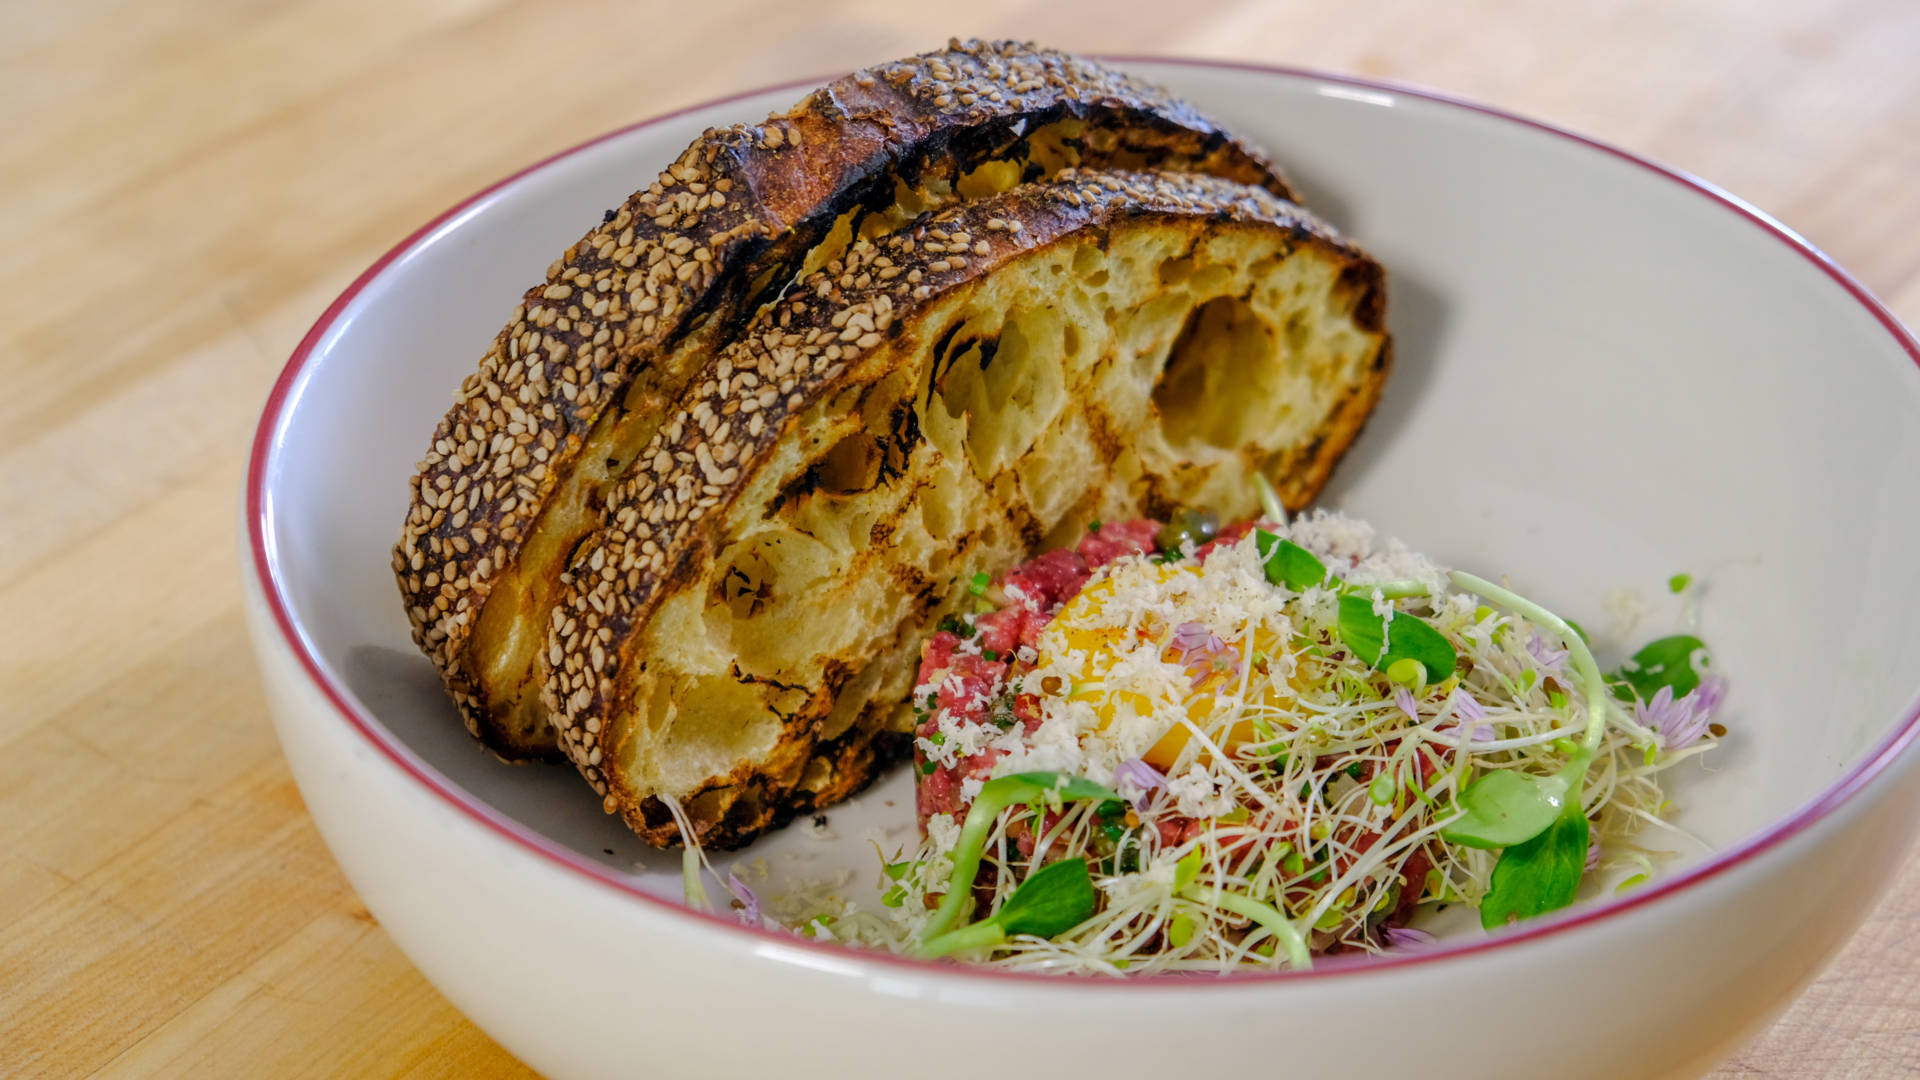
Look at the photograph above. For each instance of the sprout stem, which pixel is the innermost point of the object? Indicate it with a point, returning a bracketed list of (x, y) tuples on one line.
[(1270, 501), (981, 935), (1583, 662), (1246, 906)]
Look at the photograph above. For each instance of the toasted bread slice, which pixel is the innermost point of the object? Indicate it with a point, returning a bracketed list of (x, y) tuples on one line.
[(576, 384), (740, 634)]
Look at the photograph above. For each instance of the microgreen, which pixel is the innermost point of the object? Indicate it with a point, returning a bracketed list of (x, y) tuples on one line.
[(1040, 788), (1054, 899), (1667, 661), (1678, 583), (1534, 818), (1505, 807), (1383, 642), (1265, 915), (1289, 564), (1186, 870), (1180, 930), (897, 872), (1540, 875), (1270, 501)]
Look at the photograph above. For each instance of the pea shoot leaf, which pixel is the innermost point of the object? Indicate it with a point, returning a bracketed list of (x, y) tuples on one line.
[(1380, 641), (1538, 876), (1505, 808), (1049, 787), (1289, 564), (1056, 898), (1665, 662)]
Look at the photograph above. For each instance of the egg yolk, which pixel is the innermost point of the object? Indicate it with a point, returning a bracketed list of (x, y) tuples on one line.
[(1077, 631)]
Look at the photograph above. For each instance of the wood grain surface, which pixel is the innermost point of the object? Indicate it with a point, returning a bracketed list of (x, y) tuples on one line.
[(184, 186)]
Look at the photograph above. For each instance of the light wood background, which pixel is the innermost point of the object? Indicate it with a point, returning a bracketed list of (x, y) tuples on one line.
[(184, 186)]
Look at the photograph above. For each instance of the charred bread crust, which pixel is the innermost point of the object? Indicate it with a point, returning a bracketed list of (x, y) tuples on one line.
[(652, 539), (738, 203)]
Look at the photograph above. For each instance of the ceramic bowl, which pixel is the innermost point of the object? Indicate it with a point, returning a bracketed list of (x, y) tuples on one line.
[(1608, 372)]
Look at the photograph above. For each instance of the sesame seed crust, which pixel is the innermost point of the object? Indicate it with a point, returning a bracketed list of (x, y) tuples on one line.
[(660, 521), (738, 201)]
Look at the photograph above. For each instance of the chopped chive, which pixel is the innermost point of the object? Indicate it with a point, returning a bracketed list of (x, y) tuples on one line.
[(979, 585)]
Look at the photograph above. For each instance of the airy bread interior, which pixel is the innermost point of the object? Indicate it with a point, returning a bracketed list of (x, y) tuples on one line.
[(1116, 371), (506, 650)]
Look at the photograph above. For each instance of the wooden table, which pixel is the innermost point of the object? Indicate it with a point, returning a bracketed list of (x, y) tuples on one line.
[(186, 185)]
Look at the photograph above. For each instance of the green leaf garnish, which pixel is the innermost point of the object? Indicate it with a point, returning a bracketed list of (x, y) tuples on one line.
[(1380, 642), (1054, 899), (1538, 876), (1049, 789), (1289, 564), (1506, 807), (1665, 662), (1678, 583)]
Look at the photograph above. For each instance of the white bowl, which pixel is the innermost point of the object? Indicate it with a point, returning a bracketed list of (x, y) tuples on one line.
[(1608, 372)]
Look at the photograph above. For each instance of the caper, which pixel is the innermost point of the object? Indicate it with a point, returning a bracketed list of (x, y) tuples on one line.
[(1188, 526)]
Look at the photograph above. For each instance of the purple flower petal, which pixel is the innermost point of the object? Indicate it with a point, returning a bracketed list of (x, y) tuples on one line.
[(1543, 654), (749, 903), (1706, 698), (1472, 726), (1191, 635), (1404, 698), (1678, 722), (1139, 775), (1593, 854), (1406, 937), (1203, 653), (1467, 707)]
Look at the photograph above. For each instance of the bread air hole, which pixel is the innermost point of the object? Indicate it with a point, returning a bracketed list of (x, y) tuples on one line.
[(1009, 381), (1224, 364)]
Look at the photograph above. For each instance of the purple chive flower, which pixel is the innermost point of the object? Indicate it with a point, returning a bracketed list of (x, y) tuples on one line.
[(1406, 937), (1543, 654), (1679, 723), (749, 903), (1138, 774), (1403, 698), (1203, 652), (1593, 854), (1707, 697), (1472, 726)]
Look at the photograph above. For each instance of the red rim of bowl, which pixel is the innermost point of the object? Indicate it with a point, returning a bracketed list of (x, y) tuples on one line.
[(538, 844)]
